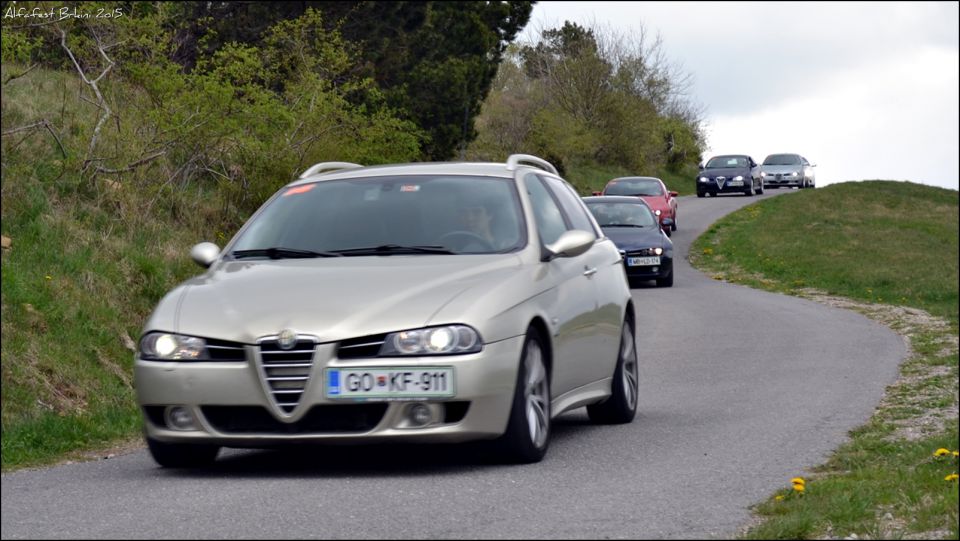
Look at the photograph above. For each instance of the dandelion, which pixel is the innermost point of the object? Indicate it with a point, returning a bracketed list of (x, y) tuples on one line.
[(798, 481), (956, 454), (48, 277), (951, 477), (799, 488), (778, 497), (941, 452)]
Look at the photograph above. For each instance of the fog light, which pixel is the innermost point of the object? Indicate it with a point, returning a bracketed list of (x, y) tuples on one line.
[(655, 269), (419, 414), (179, 418)]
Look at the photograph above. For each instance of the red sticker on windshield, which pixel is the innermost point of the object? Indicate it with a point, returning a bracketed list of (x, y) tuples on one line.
[(299, 189), (410, 188)]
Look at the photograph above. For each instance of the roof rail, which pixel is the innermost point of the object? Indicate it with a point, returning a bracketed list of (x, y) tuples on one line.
[(515, 159), (327, 166)]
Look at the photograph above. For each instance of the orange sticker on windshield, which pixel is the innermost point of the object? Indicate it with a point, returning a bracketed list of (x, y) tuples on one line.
[(299, 189), (410, 188)]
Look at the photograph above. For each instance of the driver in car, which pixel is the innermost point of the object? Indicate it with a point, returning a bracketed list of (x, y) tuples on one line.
[(477, 220)]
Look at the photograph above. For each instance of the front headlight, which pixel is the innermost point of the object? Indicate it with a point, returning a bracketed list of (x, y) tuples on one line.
[(657, 212), (161, 346), (738, 177), (445, 340), (658, 251), (763, 173), (704, 179), (793, 173)]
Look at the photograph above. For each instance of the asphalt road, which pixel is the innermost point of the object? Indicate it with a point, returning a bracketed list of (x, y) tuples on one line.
[(740, 391)]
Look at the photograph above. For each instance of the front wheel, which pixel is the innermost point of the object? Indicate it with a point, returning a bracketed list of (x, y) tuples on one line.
[(528, 430), (621, 407), (760, 190), (182, 455)]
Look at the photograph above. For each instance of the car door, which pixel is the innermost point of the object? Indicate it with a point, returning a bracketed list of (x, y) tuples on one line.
[(571, 304), (596, 352)]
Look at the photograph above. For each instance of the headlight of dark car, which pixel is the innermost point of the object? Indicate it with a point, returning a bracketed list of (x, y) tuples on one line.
[(162, 346), (445, 340)]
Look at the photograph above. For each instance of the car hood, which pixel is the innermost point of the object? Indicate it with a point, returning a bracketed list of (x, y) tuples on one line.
[(781, 168), (656, 202), (331, 298), (635, 238), (728, 172)]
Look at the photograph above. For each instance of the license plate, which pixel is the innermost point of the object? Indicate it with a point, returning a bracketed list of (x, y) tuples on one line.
[(735, 183), (642, 261), (391, 383)]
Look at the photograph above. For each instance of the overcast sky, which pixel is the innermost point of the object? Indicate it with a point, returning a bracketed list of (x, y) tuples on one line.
[(864, 90)]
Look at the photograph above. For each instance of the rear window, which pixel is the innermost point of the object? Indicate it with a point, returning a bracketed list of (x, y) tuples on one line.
[(634, 186)]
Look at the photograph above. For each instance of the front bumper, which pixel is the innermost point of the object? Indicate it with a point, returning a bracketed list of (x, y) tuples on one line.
[(782, 180), (714, 187), (231, 406)]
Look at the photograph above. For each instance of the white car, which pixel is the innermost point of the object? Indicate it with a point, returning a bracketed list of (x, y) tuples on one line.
[(788, 170), (432, 302)]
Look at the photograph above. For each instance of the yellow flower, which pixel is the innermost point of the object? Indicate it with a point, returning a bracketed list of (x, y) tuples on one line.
[(951, 477), (48, 277), (778, 497), (799, 488), (941, 452), (798, 481), (956, 454)]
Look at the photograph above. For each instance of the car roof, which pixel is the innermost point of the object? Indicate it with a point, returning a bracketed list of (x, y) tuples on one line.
[(615, 199), (730, 156), (637, 178), (426, 168)]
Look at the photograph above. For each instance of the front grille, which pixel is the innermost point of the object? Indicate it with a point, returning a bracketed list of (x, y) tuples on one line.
[(319, 420), (645, 252), (287, 371), (364, 347), (221, 350)]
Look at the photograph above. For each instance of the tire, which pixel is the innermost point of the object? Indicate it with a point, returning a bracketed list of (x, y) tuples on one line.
[(621, 407), (667, 231), (674, 226), (182, 455), (762, 188), (528, 430), (749, 191), (666, 282), (700, 194)]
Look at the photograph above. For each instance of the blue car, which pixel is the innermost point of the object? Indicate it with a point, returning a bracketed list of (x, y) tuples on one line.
[(631, 225), (729, 174)]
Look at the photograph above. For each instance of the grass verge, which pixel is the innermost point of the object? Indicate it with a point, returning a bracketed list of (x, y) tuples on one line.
[(889, 251)]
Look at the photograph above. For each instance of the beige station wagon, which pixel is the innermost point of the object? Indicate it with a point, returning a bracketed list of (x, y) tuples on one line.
[(429, 302)]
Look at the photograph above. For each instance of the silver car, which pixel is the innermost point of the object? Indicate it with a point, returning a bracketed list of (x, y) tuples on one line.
[(440, 302), (788, 170)]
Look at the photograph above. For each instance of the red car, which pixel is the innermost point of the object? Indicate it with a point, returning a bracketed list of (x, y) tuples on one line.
[(652, 190)]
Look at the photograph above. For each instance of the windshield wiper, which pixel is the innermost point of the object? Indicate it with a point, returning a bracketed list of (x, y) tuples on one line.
[(393, 249), (278, 252), (624, 225)]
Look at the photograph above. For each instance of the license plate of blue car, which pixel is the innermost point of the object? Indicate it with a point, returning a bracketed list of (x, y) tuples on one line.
[(643, 261), (390, 383)]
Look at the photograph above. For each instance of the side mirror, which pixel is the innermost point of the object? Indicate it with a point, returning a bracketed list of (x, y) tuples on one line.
[(700, 165), (570, 244), (204, 254), (674, 194), (813, 165), (667, 222), (597, 193)]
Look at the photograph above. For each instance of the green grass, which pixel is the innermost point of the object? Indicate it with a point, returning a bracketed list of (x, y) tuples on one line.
[(881, 244), (85, 268)]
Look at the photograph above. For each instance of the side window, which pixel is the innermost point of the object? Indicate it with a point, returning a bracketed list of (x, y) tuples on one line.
[(571, 204), (805, 162), (550, 222)]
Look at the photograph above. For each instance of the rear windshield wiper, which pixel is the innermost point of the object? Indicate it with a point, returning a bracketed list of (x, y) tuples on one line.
[(278, 252), (393, 249)]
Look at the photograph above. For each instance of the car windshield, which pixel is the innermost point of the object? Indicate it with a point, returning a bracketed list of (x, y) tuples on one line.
[(634, 186), (621, 214), (782, 159), (424, 214), (725, 162)]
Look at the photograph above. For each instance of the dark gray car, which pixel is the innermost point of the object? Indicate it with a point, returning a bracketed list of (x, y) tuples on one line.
[(735, 173)]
